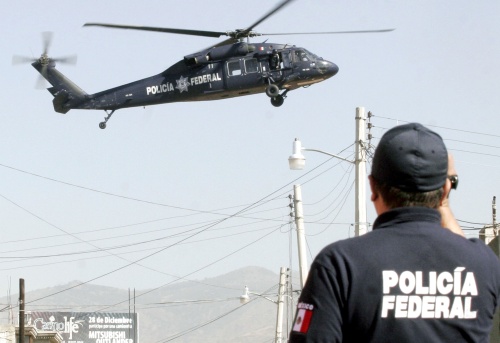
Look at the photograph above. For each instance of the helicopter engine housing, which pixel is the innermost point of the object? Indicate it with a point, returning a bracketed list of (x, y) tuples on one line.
[(219, 53)]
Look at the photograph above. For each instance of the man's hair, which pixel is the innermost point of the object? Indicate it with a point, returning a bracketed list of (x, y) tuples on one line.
[(394, 197)]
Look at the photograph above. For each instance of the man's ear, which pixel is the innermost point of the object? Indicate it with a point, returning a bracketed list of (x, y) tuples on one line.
[(446, 192), (376, 197), (375, 194)]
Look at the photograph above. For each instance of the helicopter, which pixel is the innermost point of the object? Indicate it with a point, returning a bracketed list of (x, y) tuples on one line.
[(231, 68)]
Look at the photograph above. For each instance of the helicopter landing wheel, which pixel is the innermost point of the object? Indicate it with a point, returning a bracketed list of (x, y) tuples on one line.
[(102, 125), (277, 101), (272, 91)]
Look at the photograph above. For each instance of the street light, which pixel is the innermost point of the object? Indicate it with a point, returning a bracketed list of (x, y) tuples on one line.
[(245, 298), (297, 162)]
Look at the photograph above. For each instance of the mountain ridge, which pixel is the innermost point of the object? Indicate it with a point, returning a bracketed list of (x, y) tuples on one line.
[(205, 310)]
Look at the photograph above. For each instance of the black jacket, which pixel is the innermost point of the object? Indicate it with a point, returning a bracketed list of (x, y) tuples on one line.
[(408, 280)]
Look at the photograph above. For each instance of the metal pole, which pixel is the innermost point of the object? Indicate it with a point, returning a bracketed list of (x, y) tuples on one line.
[(301, 240), (21, 310), (279, 315), (494, 214), (360, 188)]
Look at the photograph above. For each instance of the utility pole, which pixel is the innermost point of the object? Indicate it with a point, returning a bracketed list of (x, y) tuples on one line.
[(21, 310), (297, 161), (279, 315), (494, 213), (360, 163), (301, 238)]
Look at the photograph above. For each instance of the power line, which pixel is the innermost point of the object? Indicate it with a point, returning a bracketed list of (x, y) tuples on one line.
[(26, 257), (100, 249), (141, 223), (442, 127), (125, 266), (472, 143), (199, 326), (135, 199), (121, 196)]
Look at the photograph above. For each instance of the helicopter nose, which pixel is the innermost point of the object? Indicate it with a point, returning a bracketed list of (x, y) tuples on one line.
[(333, 69), (327, 68)]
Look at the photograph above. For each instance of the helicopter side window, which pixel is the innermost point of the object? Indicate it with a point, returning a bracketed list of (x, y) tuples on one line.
[(301, 56), (233, 68), (251, 65)]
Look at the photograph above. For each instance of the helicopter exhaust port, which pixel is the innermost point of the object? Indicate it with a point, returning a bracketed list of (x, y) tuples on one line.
[(195, 60)]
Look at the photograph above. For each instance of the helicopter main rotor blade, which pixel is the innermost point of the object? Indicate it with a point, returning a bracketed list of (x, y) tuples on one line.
[(325, 33), (214, 34), (235, 36), (270, 13)]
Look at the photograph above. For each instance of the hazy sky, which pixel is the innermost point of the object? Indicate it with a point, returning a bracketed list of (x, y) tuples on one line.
[(199, 189)]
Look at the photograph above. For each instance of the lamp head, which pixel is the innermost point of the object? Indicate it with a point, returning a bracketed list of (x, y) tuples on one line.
[(297, 161), (245, 297)]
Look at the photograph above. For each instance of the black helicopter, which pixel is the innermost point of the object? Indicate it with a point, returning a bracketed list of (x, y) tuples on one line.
[(231, 68)]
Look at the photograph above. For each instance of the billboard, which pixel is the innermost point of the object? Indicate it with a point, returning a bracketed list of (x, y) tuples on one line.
[(88, 327)]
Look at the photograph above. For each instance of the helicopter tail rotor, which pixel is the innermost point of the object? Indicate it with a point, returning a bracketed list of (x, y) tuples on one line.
[(44, 60)]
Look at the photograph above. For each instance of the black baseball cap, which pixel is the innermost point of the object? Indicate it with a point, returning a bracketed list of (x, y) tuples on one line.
[(411, 158)]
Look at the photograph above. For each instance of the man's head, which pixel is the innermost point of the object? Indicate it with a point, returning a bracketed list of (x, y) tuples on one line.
[(410, 167)]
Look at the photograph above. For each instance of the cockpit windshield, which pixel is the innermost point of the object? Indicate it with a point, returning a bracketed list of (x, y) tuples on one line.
[(302, 55), (311, 55)]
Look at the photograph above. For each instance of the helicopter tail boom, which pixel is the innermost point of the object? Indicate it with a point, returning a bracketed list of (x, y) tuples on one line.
[(66, 94)]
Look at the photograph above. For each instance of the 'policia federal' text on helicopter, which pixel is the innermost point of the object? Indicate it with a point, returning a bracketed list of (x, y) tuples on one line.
[(231, 68)]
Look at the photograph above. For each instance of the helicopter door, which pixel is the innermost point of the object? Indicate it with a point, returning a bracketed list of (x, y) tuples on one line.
[(242, 73), (287, 63)]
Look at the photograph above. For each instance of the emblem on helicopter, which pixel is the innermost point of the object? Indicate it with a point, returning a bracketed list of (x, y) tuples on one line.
[(182, 84)]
